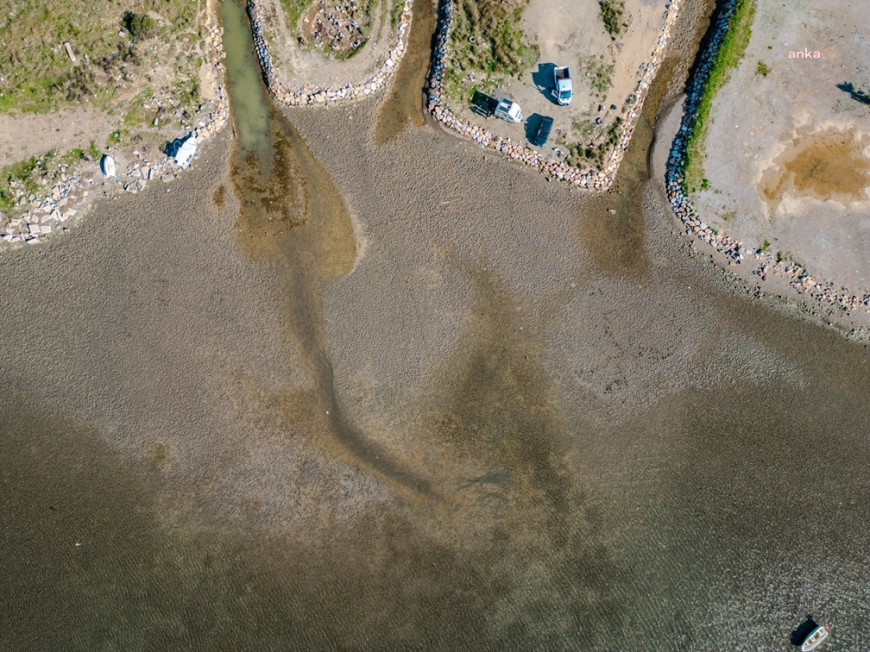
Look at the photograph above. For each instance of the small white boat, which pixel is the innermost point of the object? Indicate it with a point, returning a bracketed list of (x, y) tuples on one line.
[(815, 638), (107, 165)]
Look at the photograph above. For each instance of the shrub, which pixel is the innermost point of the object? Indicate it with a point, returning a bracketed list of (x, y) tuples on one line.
[(140, 26), (612, 12)]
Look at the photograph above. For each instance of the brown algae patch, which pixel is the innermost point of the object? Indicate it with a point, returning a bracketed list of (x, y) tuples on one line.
[(219, 196), (829, 165), (404, 104)]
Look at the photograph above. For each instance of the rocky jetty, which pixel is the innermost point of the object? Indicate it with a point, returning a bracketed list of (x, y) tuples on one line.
[(69, 197), (736, 252), (311, 95), (591, 180)]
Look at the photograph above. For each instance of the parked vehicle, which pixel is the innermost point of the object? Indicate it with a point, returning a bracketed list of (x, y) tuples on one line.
[(542, 133), (562, 90), (483, 104), (508, 110)]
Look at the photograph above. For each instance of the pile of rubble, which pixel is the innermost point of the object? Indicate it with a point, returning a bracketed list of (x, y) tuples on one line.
[(310, 95), (594, 179), (335, 29), (766, 262)]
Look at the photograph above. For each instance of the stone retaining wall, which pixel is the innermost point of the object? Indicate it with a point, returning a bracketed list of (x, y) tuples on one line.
[(68, 197), (311, 95), (765, 262), (594, 179)]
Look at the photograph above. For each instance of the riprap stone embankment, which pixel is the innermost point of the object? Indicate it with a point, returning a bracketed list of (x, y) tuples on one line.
[(69, 197)]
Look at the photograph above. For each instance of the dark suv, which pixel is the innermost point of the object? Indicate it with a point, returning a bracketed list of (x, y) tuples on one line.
[(543, 131)]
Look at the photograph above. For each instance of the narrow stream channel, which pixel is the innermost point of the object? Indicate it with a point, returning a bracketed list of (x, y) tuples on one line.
[(294, 218)]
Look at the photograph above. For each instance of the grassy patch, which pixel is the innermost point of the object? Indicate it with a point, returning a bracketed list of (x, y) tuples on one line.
[(396, 12), (23, 178), (599, 73), (38, 74), (294, 9), (486, 38), (762, 69), (613, 17), (765, 245), (587, 154), (729, 55)]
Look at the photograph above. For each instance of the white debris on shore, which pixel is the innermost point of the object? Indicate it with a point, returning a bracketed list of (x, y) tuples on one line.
[(68, 198), (310, 95), (592, 180)]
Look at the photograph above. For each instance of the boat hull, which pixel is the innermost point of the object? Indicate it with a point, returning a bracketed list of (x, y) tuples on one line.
[(815, 638)]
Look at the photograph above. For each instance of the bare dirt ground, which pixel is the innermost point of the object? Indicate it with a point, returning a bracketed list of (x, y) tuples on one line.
[(297, 66), (568, 32), (26, 135), (788, 153)]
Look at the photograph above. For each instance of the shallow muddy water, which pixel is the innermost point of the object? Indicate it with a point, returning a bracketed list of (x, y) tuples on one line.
[(828, 165), (404, 104), (507, 426)]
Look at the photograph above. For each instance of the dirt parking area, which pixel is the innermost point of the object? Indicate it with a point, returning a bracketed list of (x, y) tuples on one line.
[(305, 49), (604, 72), (788, 150)]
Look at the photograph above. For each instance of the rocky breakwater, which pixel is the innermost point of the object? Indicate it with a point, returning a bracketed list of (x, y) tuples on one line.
[(592, 179), (310, 95), (736, 252), (39, 215)]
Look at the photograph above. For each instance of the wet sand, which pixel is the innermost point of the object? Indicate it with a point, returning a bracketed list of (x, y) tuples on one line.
[(827, 165), (615, 446)]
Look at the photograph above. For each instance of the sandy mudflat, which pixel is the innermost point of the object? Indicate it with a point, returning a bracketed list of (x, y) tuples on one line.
[(616, 444)]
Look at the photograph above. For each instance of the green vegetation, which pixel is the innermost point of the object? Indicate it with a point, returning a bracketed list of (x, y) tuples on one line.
[(582, 155), (294, 10), (486, 38), (762, 69), (612, 15), (584, 127), (599, 73), (765, 245), (396, 12), (23, 177), (38, 73), (729, 55), (140, 26)]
